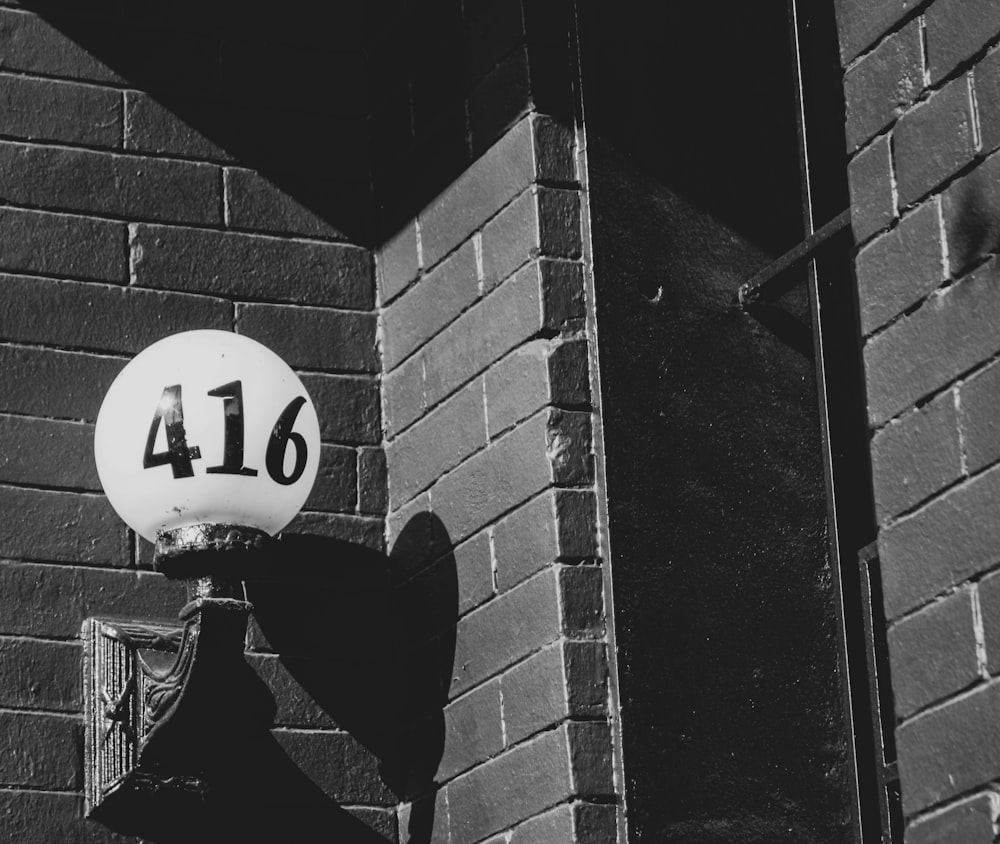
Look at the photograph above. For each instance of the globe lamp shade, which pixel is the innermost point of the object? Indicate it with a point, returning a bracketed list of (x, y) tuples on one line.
[(207, 427)]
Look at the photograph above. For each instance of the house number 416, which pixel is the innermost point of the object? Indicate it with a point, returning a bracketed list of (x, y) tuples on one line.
[(178, 455)]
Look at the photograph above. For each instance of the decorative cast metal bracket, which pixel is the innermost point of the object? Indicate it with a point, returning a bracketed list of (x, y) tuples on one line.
[(160, 702)]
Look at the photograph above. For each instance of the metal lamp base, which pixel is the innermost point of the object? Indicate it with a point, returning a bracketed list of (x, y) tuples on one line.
[(159, 700)]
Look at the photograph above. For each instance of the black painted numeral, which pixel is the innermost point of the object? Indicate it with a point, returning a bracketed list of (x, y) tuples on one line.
[(178, 455), (277, 445), (232, 452)]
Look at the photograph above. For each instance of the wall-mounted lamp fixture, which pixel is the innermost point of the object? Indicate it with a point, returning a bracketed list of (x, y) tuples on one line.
[(207, 445)]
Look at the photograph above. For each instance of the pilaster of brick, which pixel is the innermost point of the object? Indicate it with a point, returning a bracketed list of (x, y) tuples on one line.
[(491, 478), (928, 311)]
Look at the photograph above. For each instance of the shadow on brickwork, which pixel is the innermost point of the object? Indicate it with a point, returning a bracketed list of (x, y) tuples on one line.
[(360, 112), (975, 231), (281, 92), (425, 609), (370, 641)]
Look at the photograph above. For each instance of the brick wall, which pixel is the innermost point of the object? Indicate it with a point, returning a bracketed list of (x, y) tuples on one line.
[(156, 176), (141, 196), (922, 82), (492, 525)]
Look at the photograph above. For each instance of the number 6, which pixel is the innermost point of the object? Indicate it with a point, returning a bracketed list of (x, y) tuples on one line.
[(277, 445)]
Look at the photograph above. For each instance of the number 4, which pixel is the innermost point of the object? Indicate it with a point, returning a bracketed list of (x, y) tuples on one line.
[(178, 455)]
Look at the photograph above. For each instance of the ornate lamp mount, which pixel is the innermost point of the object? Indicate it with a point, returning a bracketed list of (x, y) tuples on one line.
[(207, 444)]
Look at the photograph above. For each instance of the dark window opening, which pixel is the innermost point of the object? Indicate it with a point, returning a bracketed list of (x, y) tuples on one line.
[(736, 441)]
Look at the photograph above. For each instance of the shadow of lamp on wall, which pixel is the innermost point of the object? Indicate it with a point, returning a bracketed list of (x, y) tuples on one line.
[(207, 444)]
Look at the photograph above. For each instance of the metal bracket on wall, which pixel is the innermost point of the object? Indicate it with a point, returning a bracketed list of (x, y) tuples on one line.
[(760, 287), (160, 704)]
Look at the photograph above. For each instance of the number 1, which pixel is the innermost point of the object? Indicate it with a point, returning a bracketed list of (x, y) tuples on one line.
[(232, 409)]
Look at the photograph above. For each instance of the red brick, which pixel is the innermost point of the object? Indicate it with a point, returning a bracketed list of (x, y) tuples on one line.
[(48, 110), (504, 630), (30, 44), (565, 680), (42, 817), (46, 452), (347, 406), (581, 600), (366, 531), (426, 308), (941, 544), (256, 204), (957, 30), (313, 338), (950, 750), (436, 444), (989, 604), (979, 410), (860, 23), (582, 823), (971, 209), (427, 604), (552, 447), (403, 394), (411, 537), (336, 486), (425, 819), (969, 821), (902, 266), (933, 140), (559, 601), (933, 653), (116, 185), (373, 495), (46, 382), (869, 174), (533, 149), (338, 764), (398, 263), (538, 373), (474, 566), (920, 353), (882, 84), (251, 266), (101, 317), (36, 674), (540, 222), (545, 295), (294, 706), (53, 601), (986, 83), (473, 730), (573, 759), (40, 751), (915, 456), (558, 526), (63, 245), (61, 526), (151, 127), (554, 149)]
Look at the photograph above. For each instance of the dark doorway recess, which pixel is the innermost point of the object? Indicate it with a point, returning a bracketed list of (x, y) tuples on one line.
[(731, 610)]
